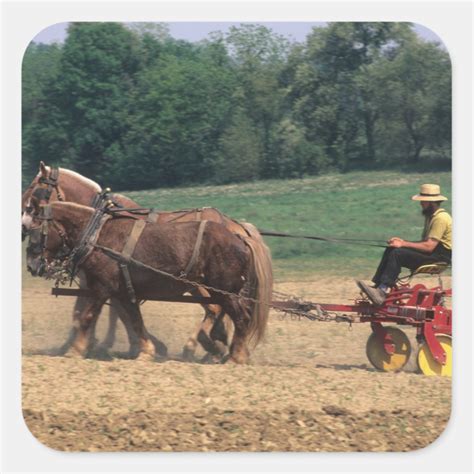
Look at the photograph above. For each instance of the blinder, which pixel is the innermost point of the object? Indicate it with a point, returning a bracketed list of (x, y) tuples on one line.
[(52, 183), (43, 194), (39, 237)]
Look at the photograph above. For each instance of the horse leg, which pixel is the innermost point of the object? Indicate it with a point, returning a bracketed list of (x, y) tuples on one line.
[(145, 344), (79, 307), (216, 347), (221, 330), (116, 312), (219, 337), (240, 316), (190, 347), (84, 324), (210, 334), (212, 338), (114, 315)]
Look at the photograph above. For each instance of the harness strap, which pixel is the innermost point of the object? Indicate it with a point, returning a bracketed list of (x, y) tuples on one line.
[(132, 241), (52, 179), (152, 216), (128, 281), (197, 246), (52, 182), (241, 226), (47, 216), (184, 212), (127, 253), (54, 175), (88, 239), (125, 257)]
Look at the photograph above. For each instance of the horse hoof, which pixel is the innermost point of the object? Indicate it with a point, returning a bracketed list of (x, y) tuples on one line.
[(213, 359), (237, 360), (73, 353), (134, 352), (145, 357), (188, 355), (100, 352), (160, 347)]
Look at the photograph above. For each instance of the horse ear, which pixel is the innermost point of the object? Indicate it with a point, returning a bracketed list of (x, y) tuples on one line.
[(43, 170)]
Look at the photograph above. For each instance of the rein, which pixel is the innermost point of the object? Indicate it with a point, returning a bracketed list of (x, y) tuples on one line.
[(134, 210), (365, 242)]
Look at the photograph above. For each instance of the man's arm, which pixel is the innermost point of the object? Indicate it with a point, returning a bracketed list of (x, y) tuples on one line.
[(426, 246)]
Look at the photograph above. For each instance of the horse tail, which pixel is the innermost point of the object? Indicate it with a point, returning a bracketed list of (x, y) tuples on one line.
[(260, 284)]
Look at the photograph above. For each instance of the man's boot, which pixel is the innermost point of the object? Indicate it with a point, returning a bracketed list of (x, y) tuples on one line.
[(376, 295)]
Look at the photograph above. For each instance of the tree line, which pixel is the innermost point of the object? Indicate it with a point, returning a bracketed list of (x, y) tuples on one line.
[(134, 108)]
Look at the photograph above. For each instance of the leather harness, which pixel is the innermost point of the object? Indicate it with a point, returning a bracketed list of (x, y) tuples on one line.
[(52, 182), (91, 232), (197, 246), (126, 255), (88, 239), (91, 235)]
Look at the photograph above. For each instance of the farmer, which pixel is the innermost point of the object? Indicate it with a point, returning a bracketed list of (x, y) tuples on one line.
[(435, 245)]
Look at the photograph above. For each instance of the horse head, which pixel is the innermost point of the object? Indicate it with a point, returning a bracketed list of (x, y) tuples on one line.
[(47, 241), (43, 189)]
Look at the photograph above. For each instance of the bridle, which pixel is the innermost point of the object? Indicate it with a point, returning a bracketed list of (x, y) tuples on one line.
[(39, 237), (44, 194), (52, 184)]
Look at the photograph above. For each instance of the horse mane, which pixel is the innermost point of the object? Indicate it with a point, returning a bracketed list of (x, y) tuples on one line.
[(72, 205), (86, 181)]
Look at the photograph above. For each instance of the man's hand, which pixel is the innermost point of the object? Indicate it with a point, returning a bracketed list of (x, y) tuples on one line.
[(396, 242), (426, 246)]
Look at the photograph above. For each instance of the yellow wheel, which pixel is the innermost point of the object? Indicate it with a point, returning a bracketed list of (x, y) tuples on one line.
[(428, 365), (378, 356)]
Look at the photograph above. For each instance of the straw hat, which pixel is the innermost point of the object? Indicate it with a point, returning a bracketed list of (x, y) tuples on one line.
[(429, 192)]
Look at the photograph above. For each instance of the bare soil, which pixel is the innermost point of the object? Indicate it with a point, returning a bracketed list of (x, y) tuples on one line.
[(308, 387)]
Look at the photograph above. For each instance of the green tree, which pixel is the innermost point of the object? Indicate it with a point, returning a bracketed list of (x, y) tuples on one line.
[(240, 151), (416, 95), (259, 57), (131, 107), (158, 31), (296, 155), (180, 109), (97, 72), (41, 138), (333, 88)]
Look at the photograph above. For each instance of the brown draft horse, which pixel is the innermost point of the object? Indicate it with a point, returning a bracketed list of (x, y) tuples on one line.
[(224, 262), (71, 186)]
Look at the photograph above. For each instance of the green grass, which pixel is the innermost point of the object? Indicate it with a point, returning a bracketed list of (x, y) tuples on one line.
[(365, 205)]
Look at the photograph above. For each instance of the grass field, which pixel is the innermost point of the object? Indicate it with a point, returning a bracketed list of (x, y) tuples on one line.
[(365, 205)]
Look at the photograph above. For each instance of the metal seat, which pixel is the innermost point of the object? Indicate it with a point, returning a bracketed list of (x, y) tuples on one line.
[(431, 268), (435, 268)]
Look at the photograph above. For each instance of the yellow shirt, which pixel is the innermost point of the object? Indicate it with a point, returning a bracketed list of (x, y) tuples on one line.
[(438, 227)]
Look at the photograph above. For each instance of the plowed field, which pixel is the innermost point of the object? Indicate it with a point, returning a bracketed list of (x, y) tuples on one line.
[(308, 387)]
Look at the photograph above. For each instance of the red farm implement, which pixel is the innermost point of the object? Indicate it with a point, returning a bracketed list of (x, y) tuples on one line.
[(388, 348)]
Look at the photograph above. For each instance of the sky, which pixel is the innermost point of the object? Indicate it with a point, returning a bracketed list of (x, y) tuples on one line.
[(196, 31)]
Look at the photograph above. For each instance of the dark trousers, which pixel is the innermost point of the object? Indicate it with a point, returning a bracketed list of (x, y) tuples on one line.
[(394, 259)]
